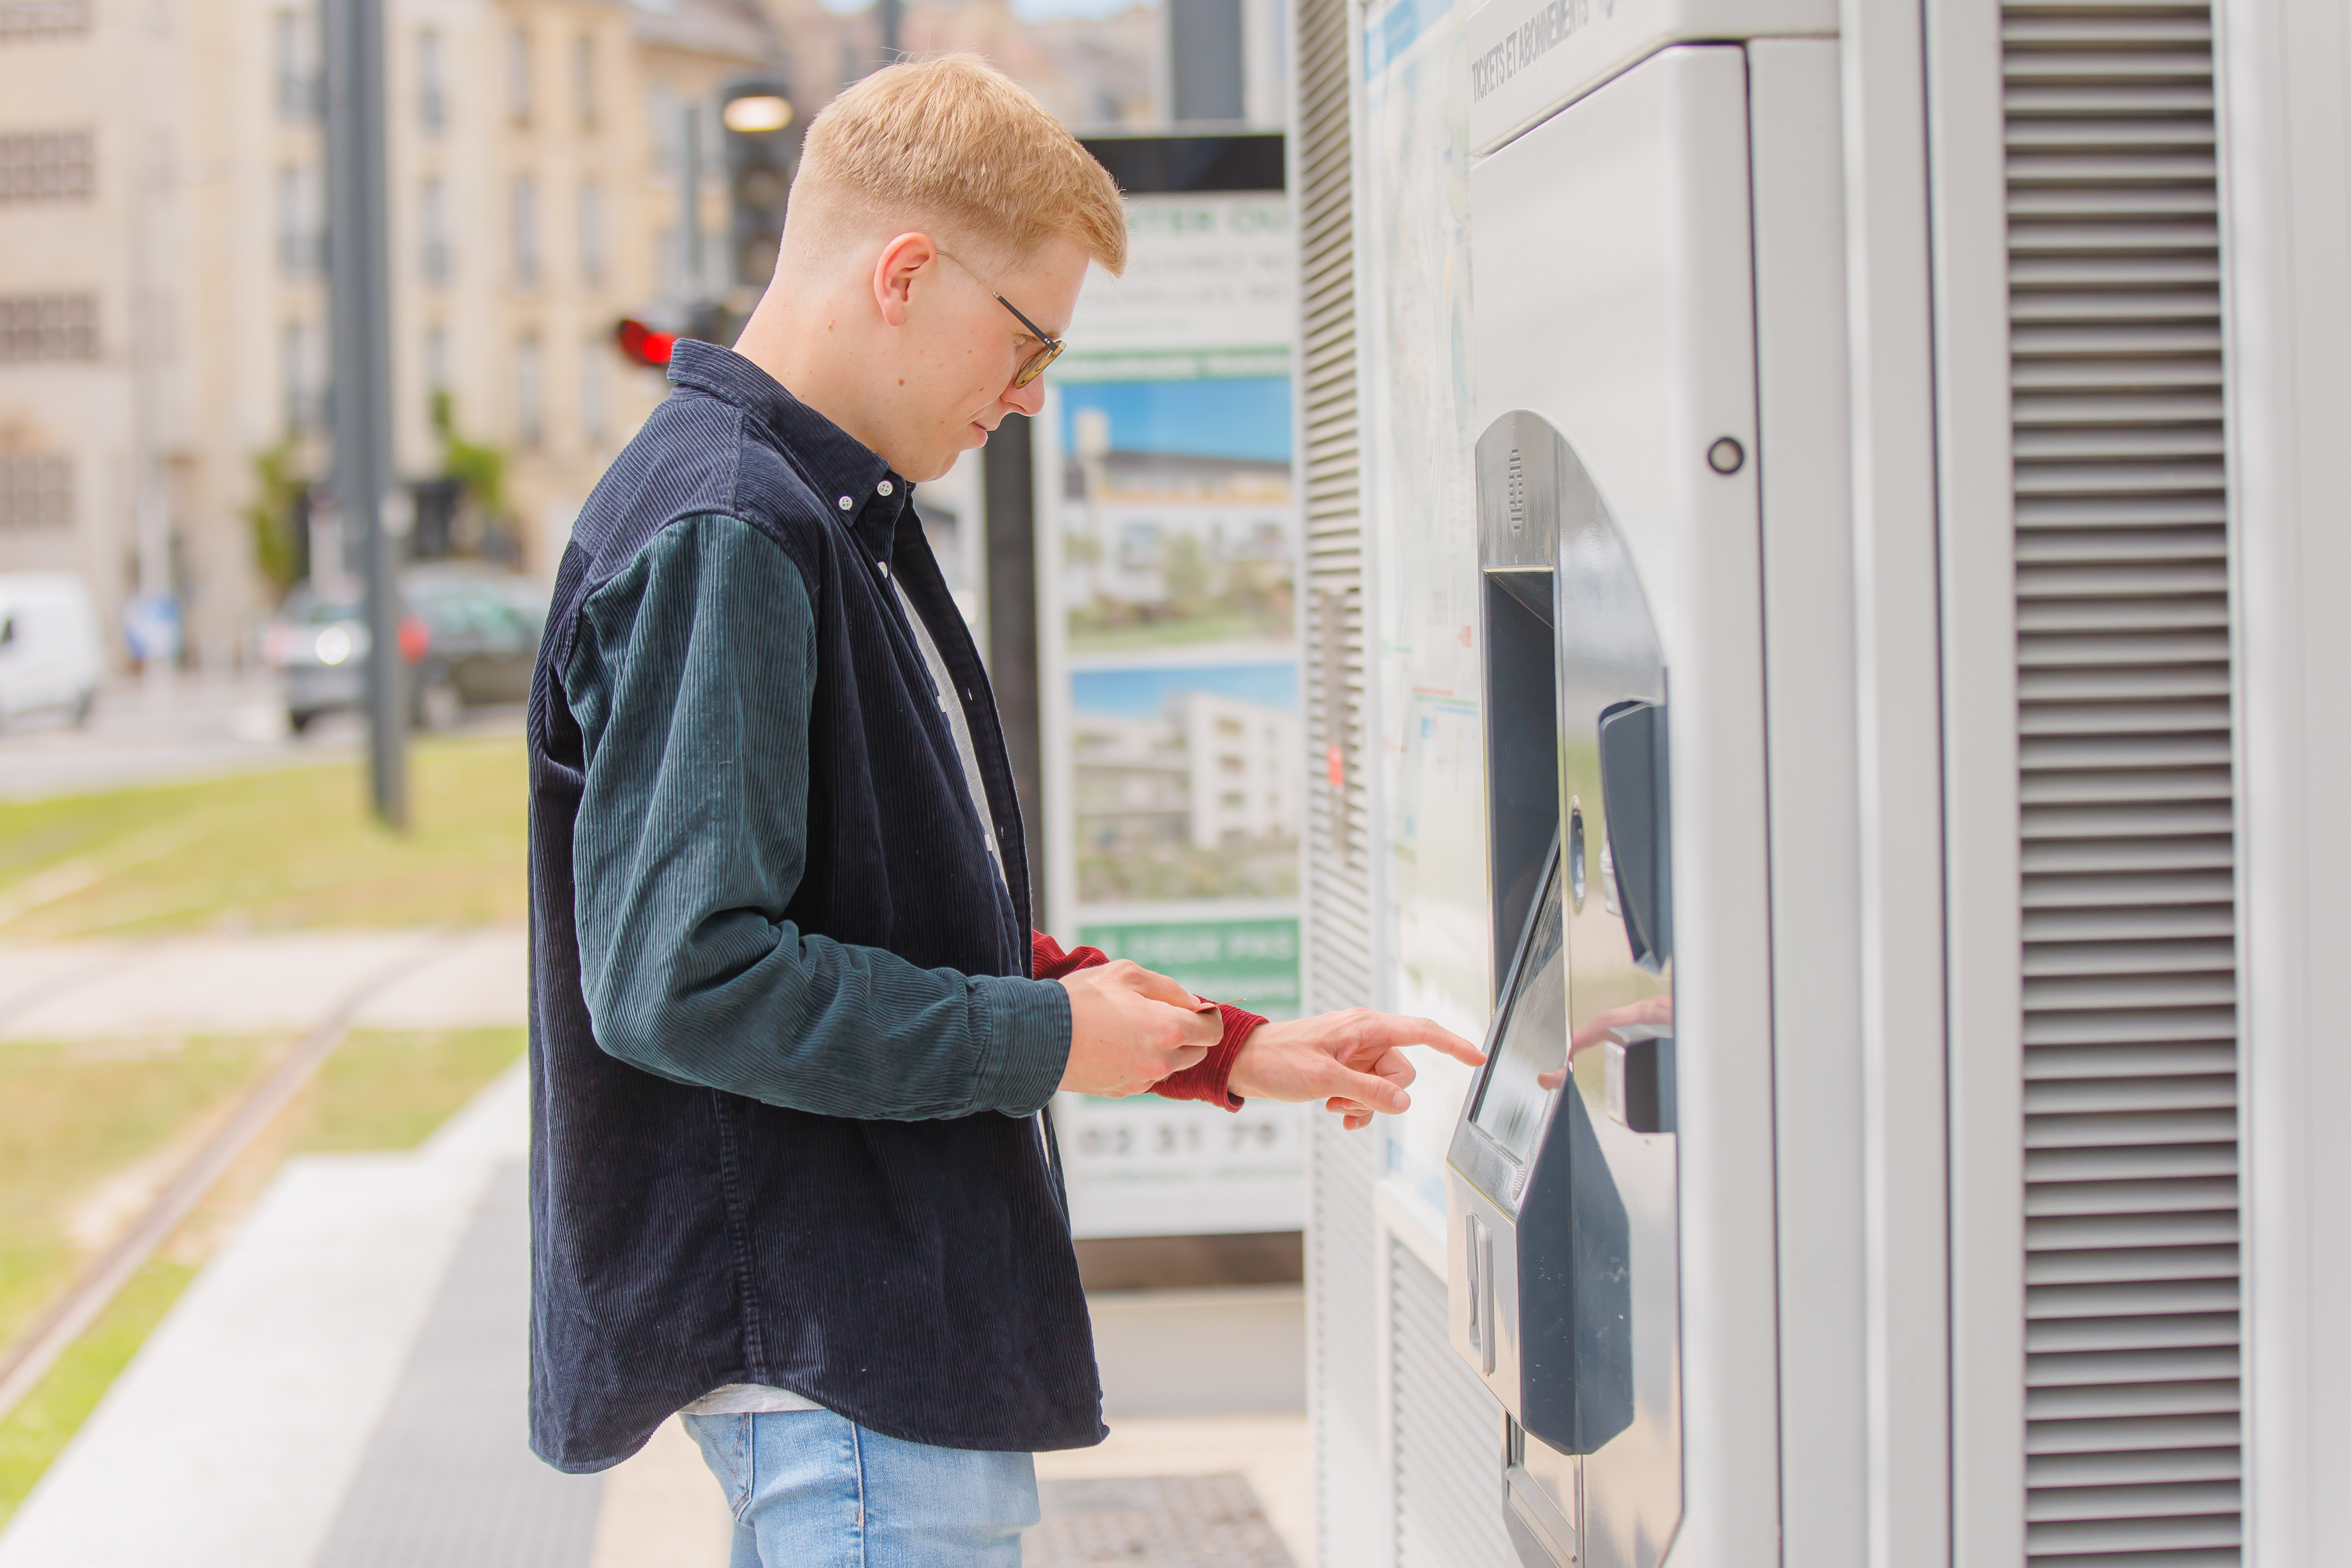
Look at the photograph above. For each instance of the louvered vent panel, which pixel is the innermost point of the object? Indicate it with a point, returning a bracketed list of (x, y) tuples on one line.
[(1354, 1508), (1448, 1440), (2122, 650), (1343, 1297), (1338, 883)]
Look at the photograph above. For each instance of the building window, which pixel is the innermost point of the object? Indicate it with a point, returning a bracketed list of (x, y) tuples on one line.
[(518, 75), (531, 393), (662, 131), (591, 233), (302, 374), (432, 88), (48, 166), (301, 222), (36, 21), (301, 65), (432, 232), (48, 327), (35, 490), (524, 213), (436, 359), (583, 80), (595, 414)]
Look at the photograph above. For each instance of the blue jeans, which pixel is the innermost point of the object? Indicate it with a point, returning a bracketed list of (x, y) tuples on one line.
[(811, 1489)]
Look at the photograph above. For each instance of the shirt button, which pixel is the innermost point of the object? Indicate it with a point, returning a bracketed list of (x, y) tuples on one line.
[(846, 504), (884, 486)]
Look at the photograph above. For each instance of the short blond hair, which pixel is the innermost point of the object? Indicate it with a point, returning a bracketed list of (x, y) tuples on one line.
[(956, 137)]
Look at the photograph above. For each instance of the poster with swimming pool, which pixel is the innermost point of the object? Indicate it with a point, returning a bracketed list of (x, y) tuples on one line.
[(1168, 532)]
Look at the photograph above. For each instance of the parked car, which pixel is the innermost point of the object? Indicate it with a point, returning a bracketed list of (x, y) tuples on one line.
[(50, 655), (469, 635)]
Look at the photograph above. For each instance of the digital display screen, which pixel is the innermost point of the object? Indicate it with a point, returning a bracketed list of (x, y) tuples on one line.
[(1532, 1039)]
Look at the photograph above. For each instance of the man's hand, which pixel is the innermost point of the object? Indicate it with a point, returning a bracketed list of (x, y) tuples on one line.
[(1648, 1010), (1130, 1027), (1353, 1061)]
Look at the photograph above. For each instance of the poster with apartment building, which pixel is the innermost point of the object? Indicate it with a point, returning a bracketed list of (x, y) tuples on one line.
[(1175, 795)]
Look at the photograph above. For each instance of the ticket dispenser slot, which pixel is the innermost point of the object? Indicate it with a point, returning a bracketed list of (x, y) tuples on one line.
[(1521, 744), (1560, 1187)]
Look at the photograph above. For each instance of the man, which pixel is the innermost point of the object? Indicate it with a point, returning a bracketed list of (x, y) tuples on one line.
[(791, 1032)]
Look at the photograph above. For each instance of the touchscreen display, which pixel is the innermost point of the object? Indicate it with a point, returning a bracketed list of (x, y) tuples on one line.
[(1533, 1036)]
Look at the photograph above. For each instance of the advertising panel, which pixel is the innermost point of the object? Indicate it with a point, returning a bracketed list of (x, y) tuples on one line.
[(1420, 536), (1168, 531)]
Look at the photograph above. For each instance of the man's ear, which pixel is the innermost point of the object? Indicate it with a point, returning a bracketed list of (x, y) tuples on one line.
[(894, 270)]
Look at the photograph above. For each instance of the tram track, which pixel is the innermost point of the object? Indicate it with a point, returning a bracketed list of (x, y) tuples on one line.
[(26, 1358)]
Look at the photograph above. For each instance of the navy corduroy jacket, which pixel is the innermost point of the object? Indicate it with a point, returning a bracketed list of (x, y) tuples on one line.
[(784, 1042)]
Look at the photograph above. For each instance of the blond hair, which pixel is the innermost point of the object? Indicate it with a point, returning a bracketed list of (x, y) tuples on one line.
[(956, 137)]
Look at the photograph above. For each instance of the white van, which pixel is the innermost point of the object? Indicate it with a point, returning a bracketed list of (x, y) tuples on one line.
[(50, 656)]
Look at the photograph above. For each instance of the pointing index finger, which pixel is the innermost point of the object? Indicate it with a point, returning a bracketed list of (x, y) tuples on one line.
[(1426, 1031)]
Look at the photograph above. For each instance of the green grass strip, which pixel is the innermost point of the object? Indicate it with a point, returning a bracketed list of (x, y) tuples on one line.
[(280, 849), (37, 1430)]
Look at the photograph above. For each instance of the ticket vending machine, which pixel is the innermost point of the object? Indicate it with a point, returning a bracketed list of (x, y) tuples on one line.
[(1561, 1189), (1610, 1190)]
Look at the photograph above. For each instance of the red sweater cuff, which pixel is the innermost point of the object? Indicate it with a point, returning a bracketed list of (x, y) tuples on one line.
[(1208, 1079)]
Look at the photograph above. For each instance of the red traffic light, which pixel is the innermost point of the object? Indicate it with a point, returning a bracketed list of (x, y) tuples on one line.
[(642, 344)]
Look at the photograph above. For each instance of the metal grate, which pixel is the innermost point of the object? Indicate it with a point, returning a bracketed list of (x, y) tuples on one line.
[(1337, 919), (1152, 1521), (2130, 1091), (1448, 1438)]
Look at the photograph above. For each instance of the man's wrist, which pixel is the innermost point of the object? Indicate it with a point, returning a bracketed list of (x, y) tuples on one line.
[(1210, 1079)]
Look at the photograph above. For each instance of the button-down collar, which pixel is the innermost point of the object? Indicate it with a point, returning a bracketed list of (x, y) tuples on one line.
[(868, 498)]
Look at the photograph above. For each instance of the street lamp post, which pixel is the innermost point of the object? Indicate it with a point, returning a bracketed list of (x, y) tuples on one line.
[(360, 287)]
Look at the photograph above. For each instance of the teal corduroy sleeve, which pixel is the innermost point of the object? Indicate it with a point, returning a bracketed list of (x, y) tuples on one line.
[(691, 680)]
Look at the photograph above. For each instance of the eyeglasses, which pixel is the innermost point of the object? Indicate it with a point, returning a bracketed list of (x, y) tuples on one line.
[(1034, 365)]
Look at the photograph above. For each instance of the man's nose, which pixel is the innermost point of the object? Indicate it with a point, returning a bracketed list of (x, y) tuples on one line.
[(1028, 400)]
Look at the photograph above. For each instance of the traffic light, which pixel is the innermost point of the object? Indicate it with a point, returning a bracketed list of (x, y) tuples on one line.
[(763, 149), (640, 345)]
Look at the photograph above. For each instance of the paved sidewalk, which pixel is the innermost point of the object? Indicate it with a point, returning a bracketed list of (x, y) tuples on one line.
[(261, 984)]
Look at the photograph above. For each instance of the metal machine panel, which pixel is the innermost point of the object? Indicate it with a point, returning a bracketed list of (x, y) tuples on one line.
[(1616, 383), (1528, 58)]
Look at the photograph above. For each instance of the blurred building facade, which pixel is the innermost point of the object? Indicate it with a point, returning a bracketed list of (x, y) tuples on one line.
[(162, 264), (1092, 72), (162, 253)]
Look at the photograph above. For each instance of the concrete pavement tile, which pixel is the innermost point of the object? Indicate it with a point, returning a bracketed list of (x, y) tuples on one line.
[(481, 982), (31, 973), (448, 1479), (218, 985), (1150, 1344), (662, 1509)]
